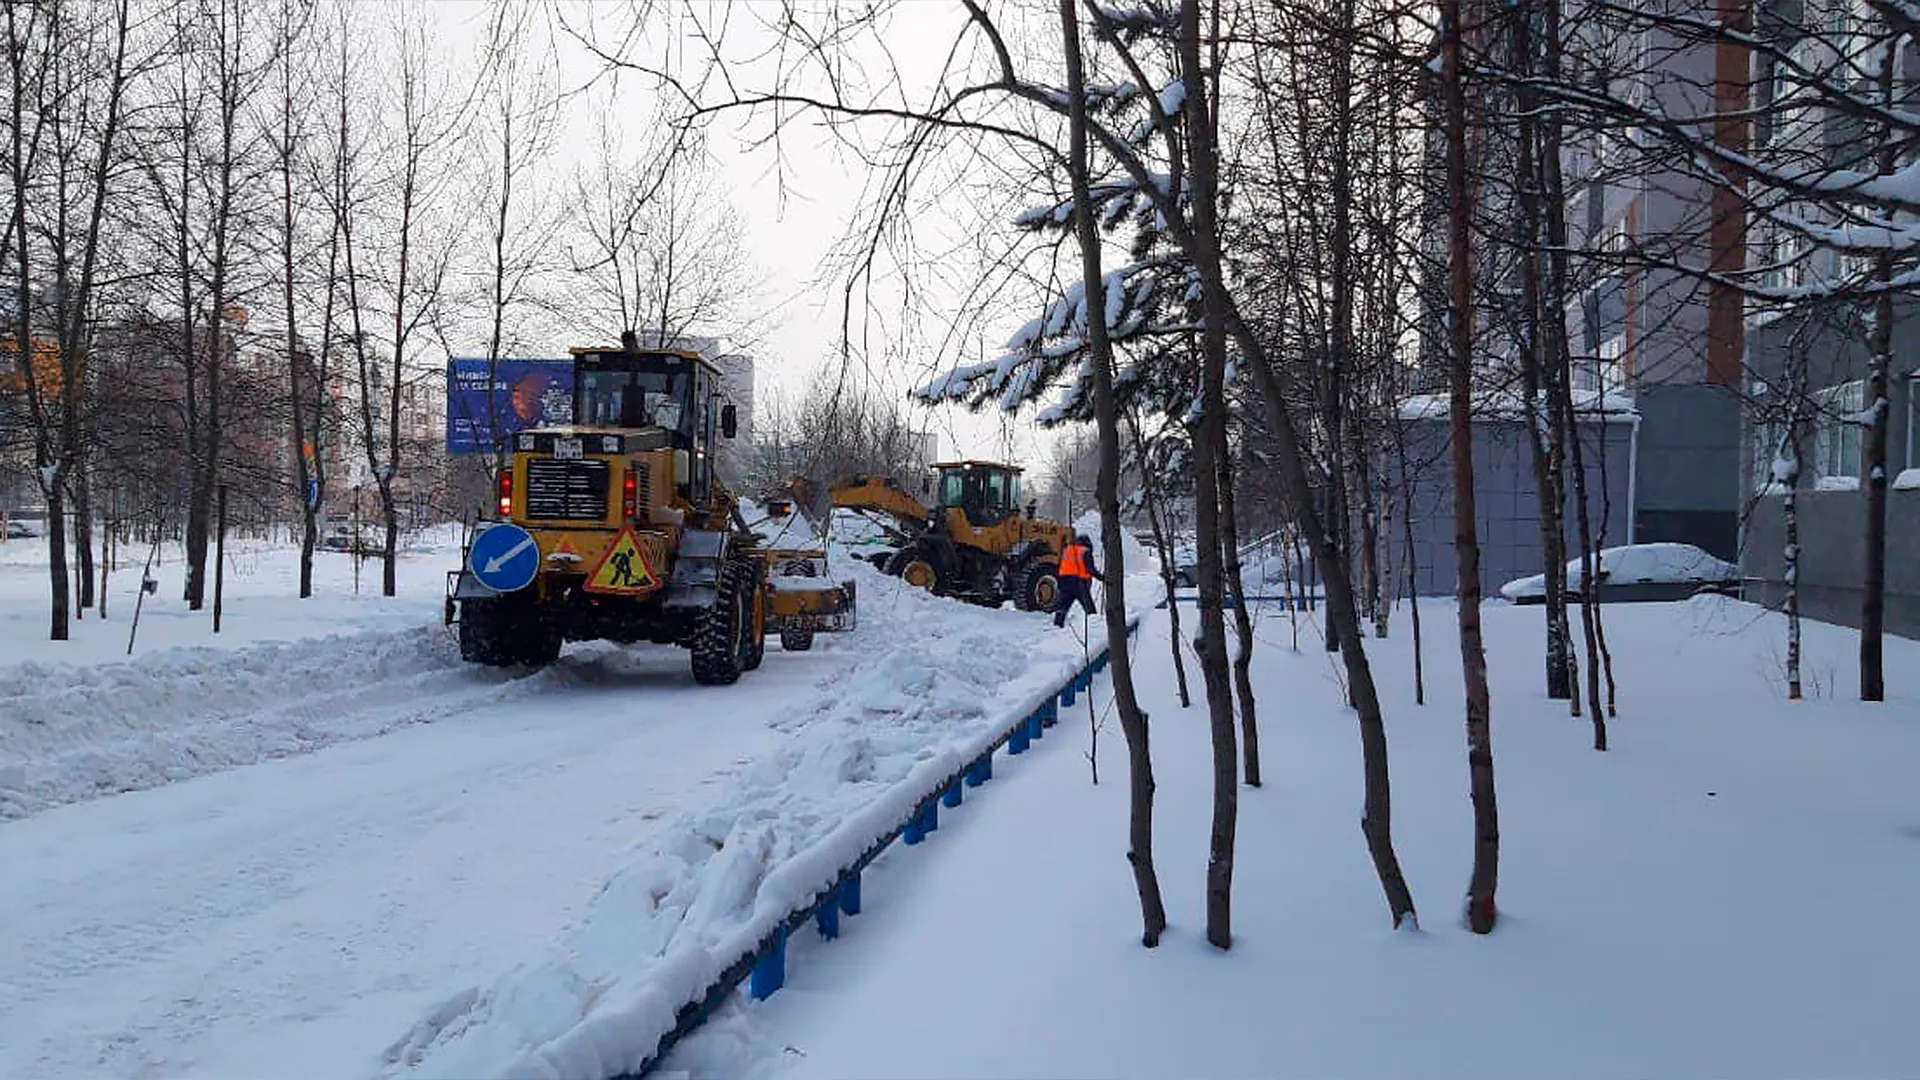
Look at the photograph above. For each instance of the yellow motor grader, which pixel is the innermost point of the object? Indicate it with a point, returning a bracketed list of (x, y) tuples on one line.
[(975, 543), (615, 527)]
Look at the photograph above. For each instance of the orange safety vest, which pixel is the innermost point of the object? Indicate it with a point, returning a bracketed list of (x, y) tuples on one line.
[(1073, 562)]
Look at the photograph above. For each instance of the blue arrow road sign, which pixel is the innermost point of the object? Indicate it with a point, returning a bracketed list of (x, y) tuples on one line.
[(505, 558)]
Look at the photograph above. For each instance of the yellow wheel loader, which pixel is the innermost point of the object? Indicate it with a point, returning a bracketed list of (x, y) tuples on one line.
[(975, 542), (616, 528)]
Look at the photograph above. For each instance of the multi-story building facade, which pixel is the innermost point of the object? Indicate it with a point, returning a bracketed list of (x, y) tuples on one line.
[(1808, 361), (1657, 354)]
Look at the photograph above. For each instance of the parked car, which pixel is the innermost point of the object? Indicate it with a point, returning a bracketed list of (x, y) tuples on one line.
[(1638, 572), (20, 530), (341, 538)]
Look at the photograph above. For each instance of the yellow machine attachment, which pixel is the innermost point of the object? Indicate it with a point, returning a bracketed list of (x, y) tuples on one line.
[(802, 601)]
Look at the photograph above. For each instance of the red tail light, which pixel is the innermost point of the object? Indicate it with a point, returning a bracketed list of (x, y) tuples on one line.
[(629, 496), (506, 492)]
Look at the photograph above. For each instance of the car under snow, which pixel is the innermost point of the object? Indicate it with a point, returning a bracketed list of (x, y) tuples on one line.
[(1642, 572)]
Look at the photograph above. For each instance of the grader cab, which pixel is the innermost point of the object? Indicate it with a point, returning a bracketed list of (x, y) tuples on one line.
[(616, 527)]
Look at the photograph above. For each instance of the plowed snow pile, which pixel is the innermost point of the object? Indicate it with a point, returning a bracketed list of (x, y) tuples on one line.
[(942, 679)]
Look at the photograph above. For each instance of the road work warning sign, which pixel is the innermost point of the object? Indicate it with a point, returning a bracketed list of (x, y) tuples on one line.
[(623, 570)]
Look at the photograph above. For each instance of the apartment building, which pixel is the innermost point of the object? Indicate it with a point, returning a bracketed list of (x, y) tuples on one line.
[(1809, 361)]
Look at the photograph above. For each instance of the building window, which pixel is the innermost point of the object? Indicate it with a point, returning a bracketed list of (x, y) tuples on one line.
[(1838, 437)]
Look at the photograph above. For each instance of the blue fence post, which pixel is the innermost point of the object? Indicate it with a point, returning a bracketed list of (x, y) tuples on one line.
[(952, 796), (1035, 730), (915, 829), (980, 771), (930, 816), (850, 894), (1049, 713), (827, 916), (1067, 692), (1017, 741), (770, 970)]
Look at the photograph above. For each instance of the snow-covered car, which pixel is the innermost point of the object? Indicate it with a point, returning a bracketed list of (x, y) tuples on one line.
[(20, 530), (1638, 572)]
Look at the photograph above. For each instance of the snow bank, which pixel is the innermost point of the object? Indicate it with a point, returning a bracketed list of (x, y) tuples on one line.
[(70, 733), (944, 681), (1909, 480)]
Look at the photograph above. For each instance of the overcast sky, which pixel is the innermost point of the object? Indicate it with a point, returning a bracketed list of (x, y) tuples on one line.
[(791, 238)]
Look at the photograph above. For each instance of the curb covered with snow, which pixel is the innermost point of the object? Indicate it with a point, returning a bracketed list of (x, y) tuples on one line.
[(675, 933)]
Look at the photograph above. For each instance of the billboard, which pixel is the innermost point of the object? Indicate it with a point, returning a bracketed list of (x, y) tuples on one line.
[(526, 393)]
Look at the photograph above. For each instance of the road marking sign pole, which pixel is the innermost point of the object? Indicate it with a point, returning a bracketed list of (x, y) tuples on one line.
[(505, 558)]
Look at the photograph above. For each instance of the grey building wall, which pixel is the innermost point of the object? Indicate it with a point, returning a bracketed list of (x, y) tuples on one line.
[(1833, 555), (1506, 501), (1688, 488), (1833, 523)]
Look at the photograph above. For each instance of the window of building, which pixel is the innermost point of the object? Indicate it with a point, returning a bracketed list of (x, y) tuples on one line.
[(1838, 438)]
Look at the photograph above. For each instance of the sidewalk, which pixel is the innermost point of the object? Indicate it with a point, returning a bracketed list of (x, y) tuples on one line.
[(1719, 895)]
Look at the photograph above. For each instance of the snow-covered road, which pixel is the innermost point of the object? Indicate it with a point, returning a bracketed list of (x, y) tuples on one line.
[(260, 921)]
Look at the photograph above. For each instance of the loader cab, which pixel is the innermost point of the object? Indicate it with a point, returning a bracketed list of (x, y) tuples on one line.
[(672, 390), (986, 492)]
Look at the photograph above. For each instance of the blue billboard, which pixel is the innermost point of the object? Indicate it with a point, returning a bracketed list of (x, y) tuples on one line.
[(526, 393)]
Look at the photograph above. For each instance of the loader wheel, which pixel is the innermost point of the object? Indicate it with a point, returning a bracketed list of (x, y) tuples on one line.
[(1039, 587), (483, 634), (921, 574), (893, 563), (796, 640), (717, 645)]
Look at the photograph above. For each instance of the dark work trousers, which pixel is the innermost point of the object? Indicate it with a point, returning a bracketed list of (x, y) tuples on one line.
[(1071, 589)]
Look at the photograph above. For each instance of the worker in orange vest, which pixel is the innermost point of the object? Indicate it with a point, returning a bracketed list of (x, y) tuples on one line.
[(1076, 578)]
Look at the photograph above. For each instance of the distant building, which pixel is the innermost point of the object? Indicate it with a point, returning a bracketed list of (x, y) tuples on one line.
[(736, 454)]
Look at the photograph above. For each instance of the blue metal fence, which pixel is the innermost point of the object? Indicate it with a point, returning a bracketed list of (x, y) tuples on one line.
[(764, 969)]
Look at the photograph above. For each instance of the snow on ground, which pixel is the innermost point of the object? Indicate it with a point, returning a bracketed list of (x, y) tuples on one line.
[(296, 916), (938, 681), (1722, 894), (259, 599), (80, 719)]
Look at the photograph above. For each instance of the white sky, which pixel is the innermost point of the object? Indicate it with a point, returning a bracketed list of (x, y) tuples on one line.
[(790, 243)]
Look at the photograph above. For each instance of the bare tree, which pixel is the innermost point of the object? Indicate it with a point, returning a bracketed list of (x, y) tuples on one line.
[(78, 73)]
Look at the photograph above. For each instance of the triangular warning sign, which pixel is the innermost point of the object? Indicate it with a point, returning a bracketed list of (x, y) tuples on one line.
[(623, 570), (564, 548)]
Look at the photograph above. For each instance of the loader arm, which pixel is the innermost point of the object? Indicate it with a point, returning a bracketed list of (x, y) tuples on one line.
[(877, 497)]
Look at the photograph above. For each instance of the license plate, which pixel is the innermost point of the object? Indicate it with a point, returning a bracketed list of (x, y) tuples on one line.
[(566, 449)]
